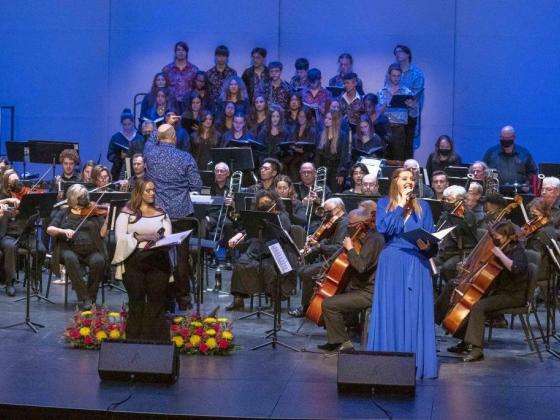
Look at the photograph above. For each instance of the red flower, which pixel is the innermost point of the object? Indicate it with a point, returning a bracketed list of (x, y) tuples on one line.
[(195, 316), (223, 344), (216, 326), (76, 334), (175, 327), (199, 331), (185, 332), (203, 347), (188, 345), (87, 322), (88, 340)]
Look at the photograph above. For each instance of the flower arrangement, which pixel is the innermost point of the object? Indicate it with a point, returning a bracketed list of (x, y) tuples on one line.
[(202, 335), (87, 329), (191, 334)]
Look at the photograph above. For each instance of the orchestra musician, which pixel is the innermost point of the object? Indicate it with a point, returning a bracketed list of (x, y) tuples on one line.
[(402, 314), (11, 229), (359, 292), (138, 171), (439, 183), (357, 173), (246, 278), (101, 176), (462, 239), (474, 201), (85, 176), (146, 272), (550, 192), (370, 186), (306, 193), (421, 189), (68, 158), (509, 289), (284, 186), (79, 230), (325, 246), (268, 171), (494, 203)]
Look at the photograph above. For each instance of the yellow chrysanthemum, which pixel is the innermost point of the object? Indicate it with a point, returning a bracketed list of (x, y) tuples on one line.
[(211, 331), (209, 320), (114, 315), (178, 319), (86, 313), (84, 331), (114, 334), (196, 324), (101, 335), (221, 319), (211, 343), (195, 340), (227, 335), (178, 340)]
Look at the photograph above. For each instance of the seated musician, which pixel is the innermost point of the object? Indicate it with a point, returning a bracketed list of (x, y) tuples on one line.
[(550, 192), (540, 238), (370, 186), (357, 173), (138, 171), (284, 186), (421, 190), (359, 293), (474, 201), (439, 183), (306, 193), (326, 246), (509, 290), (462, 239), (246, 278), (79, 230), (68, 158), (85, 176), (268, 171), (11, 229), (479, 172), (101, 176), (494, 203)]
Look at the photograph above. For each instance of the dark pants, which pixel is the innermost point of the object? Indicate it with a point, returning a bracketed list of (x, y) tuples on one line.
[(181, 287), (401, 140), (146, 279), (335, 307), (483, 308), (9, 249), (307, 275), (448, 266), (74, 263), (442, 304)]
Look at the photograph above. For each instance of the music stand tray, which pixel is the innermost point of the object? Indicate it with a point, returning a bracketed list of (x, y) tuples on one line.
[(237, 158), (32, 202), (16, 152), (43, 151)]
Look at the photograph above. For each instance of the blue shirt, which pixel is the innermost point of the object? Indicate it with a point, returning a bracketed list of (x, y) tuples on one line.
[(175, 175), (512, 168)]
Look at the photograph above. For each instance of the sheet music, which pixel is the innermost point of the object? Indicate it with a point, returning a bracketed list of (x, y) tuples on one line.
[(172, 240), (443, 232), (279, 257)]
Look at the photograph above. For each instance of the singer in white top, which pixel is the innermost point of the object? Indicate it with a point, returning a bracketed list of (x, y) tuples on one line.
[(145, 272)]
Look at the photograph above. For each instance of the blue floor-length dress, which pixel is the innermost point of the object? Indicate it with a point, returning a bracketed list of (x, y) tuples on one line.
[(403, 305)]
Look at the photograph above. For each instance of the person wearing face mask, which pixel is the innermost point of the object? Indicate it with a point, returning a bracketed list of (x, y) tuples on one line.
[(509, 289), (462, 239), (359, 292), (514, 163), (247, 277), (493, 204), (402, 314), (79, 244), (316, 250), (443, 156), (11, 228)]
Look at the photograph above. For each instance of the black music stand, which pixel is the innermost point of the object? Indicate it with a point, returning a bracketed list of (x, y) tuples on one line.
[(18, 151), (237, 158), (256, 223), (115, 207), (42, 151), (352, 201)]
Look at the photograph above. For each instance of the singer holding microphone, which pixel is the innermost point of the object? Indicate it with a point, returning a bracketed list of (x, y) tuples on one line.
[(402, 315), (146, 272)]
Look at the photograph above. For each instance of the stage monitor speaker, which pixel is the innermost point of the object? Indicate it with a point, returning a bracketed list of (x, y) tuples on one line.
[(141, 361), (378, 372)]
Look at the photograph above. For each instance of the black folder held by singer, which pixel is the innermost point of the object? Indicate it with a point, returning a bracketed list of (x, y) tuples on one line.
[(431, 238)]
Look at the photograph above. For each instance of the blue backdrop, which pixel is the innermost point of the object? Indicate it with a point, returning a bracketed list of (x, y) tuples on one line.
[(70, 67)]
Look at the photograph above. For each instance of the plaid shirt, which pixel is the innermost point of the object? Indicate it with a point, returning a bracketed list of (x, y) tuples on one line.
[(216, 80), (352, 110), (180, 81), (322, 99), (277, 95), (297, 83)]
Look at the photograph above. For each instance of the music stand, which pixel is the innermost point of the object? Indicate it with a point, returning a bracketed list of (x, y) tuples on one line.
[(256, 224), (384, 184), (18, 151), (115, 207), (43, 151), (237, 158), (107, 197)]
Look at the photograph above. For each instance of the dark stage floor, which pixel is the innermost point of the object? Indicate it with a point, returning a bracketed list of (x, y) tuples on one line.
[(40, 372)]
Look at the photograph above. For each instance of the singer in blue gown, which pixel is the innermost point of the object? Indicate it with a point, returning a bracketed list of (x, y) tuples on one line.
[(403, 316)]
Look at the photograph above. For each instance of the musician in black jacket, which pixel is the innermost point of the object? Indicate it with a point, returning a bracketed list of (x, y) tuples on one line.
[(509, 290), (334, 207), (359, 293)]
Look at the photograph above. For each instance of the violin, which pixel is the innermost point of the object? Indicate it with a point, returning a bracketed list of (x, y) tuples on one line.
[(321, 231), (94, 210), (534, 225), (459, 210), (26, 190)]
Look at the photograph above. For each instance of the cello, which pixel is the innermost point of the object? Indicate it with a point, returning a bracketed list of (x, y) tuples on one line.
[(337, 276), (477, 275)]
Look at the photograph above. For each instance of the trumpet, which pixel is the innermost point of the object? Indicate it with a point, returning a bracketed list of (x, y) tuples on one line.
[(233, 188), (319, 187)]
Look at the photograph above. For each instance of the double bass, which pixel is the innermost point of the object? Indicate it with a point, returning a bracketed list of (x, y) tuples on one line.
[(478, 273), (337, 276)]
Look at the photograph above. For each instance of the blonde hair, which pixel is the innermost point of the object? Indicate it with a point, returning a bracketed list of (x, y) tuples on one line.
[(394, 192), (74, 193)]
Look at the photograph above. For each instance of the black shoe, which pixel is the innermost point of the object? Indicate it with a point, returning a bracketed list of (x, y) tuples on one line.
[(297, 313), (237, 305), (461, 348), (10, 290), (329, 346), (474, 356)]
